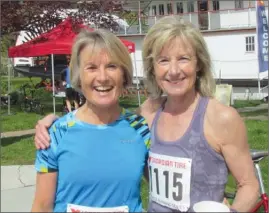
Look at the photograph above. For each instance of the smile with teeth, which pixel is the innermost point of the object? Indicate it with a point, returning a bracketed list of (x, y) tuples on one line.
[(175, 81), (103, 88)]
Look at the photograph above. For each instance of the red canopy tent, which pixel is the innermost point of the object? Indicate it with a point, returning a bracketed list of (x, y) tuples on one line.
[(59, 40)]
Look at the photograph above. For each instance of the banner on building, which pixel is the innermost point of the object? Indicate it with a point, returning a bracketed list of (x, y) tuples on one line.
[(262, 36)]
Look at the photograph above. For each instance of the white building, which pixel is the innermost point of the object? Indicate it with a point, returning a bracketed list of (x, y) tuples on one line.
[(229, 28)]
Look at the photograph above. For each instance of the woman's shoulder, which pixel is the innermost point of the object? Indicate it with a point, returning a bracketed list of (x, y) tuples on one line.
[(221, 114), (153, 104), (149, 108), (140, 125), (63, 122), (134, 117)]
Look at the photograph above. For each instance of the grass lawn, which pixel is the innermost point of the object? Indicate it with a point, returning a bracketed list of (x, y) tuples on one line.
[(17, 151), (17, 82), (22, 151), (19, 120), (243, 103)]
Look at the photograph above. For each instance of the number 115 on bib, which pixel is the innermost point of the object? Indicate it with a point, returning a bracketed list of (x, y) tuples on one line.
[(170, 181)]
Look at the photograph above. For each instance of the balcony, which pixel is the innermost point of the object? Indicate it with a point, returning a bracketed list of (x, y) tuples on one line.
[(205, 21)]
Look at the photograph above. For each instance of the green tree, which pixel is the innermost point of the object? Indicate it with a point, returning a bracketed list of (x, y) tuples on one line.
[(39, 16), (6, 42)]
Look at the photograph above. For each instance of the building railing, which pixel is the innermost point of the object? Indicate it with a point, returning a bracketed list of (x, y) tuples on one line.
[(205, 21)]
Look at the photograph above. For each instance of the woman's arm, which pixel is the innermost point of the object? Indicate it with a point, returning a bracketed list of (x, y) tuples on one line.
[(46, 165), (229, 132), (236, 152), (42, 138), (45, 192)]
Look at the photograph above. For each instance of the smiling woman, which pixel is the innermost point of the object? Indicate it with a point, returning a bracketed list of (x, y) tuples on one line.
[(185, 48), (100, 67), (105, 46), (89, 166), (189, 126), (177, 55)]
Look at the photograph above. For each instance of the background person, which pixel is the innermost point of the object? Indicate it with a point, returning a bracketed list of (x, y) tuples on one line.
[(71, 96)]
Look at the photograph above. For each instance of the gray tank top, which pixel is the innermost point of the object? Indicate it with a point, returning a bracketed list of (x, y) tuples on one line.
[(208, 169)]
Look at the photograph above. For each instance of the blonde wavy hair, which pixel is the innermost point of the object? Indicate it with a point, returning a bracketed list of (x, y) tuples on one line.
[(160, 34), (100, 39)]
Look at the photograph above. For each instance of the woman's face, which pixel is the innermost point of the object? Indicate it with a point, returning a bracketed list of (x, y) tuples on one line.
[(176, 68), (101, 79)]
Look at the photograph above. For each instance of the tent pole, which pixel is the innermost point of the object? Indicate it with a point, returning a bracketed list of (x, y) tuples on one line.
[(9, 73), (137, 81), (53, 80), (9, 90)]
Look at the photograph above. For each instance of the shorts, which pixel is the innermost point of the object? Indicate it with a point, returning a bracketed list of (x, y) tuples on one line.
[(71, 94)]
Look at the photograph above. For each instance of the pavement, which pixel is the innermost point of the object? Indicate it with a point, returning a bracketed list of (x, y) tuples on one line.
[(17, 188), (17, 133), (253, 108)]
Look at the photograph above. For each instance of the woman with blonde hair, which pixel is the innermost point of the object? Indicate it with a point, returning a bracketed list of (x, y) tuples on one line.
[(202, 138), (195, 140), (97, 154)]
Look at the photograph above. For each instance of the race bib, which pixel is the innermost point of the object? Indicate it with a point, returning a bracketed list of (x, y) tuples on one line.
[(170, 179), (78, 208)]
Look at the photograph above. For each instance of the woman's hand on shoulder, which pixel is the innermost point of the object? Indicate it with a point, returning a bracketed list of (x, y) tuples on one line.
[(42, 138)]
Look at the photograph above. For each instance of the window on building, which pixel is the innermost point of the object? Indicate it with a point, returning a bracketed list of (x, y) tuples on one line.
[(190, 6), (215, 5), (250, 44), (161, 9), (239, 4), (169, 8), (154, 10), (180, 7)]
